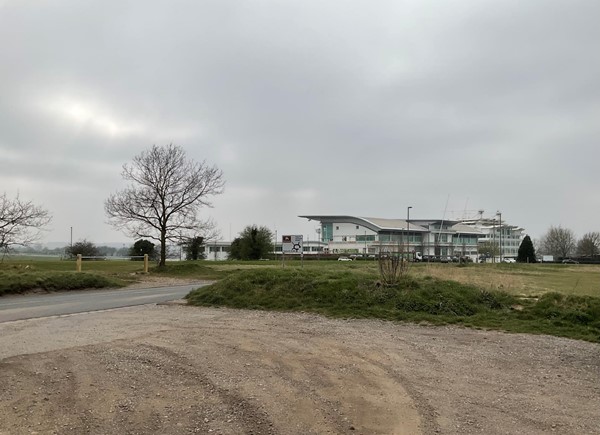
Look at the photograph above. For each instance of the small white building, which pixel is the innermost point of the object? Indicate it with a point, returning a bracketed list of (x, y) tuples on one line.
[(217, 250)]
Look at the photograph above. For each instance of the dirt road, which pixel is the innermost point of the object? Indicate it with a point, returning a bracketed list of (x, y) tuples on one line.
[(179, 370)]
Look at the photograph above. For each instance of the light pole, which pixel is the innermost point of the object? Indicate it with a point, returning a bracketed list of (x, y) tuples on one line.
[(71, 250), (318, 230), (408, 228), (500, 225)]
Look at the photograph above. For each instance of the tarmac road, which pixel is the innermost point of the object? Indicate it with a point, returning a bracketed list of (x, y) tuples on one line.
[(20, 307)]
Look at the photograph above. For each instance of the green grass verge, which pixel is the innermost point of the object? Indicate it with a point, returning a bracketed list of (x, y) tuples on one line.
[(11, 282), (192, 270), (355, 293), (22, 275)]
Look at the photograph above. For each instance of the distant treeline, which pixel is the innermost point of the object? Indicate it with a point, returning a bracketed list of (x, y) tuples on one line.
[(103, 251)]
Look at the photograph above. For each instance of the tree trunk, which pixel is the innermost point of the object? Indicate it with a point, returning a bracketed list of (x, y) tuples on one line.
[(163, 248)]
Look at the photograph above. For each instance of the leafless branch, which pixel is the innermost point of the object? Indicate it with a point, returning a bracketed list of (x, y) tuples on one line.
[(20, 222)]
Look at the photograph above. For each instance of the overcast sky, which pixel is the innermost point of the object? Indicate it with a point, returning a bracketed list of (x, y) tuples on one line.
[(308, 107)]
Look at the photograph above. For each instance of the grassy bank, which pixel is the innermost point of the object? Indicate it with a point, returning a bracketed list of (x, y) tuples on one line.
[(19, 282), (355, 293), (19, 275)]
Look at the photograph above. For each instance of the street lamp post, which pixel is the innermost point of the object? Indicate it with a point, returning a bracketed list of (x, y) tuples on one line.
[(408, 228), (500, 225)]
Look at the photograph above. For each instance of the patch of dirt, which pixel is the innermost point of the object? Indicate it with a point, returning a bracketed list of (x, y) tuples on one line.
[(148, 281), (169, 369)]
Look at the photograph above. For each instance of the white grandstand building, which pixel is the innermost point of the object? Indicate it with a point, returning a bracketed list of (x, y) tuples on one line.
[(428, 238)]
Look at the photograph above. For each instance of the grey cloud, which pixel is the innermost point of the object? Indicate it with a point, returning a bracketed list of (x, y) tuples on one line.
[(370, 106)]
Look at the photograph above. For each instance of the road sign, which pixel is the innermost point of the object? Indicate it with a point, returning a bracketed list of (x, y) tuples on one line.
[(292, 244)]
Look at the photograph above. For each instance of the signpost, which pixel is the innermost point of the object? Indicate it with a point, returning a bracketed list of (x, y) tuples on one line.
[(292, 244)]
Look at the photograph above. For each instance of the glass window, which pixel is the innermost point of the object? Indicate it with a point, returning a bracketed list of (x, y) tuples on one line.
[(363, 238), (326, 232)]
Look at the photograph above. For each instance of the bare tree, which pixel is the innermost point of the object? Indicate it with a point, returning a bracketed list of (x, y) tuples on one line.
[(164, 197), (489, 249), (589, 245), (558, 241), (20, 222)]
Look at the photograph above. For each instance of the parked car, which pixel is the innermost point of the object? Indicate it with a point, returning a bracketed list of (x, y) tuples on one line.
[(344, 259), (569, 261), (509, 260)]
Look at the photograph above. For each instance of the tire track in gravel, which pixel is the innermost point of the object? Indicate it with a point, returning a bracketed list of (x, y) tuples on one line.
[(176, 370)]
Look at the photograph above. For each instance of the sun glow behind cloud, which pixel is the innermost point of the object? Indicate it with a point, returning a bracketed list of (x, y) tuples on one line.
[(97, 117), (92, 115)]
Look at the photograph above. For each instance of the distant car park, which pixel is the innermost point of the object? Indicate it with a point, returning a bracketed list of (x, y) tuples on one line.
[(569, 261)]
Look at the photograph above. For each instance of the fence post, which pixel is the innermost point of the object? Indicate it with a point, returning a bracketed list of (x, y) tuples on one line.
[(145, 263), (78, 262)]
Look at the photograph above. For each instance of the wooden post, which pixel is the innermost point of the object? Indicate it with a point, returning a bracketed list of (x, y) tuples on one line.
[(78, 263), (145, 263)]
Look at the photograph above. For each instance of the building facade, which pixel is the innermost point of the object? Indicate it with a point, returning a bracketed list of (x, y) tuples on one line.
[(217, 250), (505, 237), (443, 239)]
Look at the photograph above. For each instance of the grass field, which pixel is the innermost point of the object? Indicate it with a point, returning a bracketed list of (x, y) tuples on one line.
[(521, 279), (540, 298), (518, 279), (21, 274)]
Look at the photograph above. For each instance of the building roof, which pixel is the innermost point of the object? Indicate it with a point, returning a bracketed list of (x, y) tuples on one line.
[(374, 224), (394, 224), (382, 224), (466, 229)]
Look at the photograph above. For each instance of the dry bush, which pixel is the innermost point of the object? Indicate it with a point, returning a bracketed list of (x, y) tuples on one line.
[(391, 269)]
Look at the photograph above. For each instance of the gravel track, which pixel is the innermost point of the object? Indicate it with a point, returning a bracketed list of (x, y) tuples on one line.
[(173, 369)]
